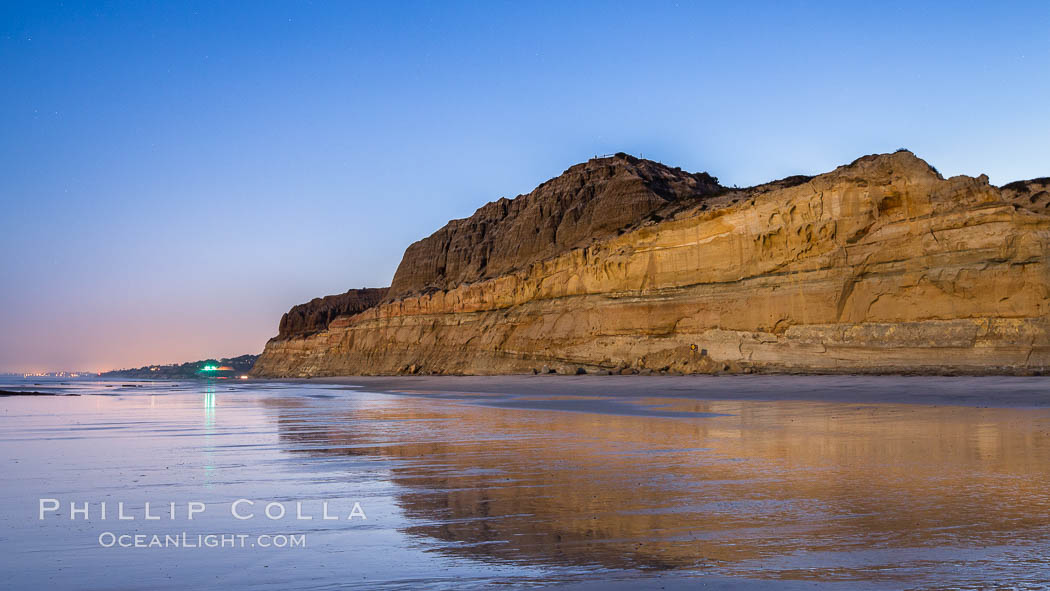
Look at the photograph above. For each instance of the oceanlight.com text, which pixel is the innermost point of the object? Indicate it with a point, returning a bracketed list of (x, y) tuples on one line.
[(203, 541)]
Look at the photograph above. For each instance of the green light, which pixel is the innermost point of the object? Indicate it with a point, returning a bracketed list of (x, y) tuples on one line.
[(209, 368)]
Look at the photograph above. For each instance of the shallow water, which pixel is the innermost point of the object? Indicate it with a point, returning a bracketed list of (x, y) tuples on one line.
[(472, 490)]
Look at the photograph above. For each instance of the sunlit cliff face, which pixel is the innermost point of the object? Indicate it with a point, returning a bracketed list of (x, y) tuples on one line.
[(879, 266), (750, 490)]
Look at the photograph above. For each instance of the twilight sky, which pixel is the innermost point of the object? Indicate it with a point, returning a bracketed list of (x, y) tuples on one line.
[(174, 176)]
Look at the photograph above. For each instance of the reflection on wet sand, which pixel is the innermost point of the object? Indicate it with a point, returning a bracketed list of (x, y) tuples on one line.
[(803, 490)]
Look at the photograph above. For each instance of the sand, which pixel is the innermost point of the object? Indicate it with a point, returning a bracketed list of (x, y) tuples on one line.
[(991, 391)]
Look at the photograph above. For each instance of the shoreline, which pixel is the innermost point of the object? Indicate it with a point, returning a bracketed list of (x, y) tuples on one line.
[(9, 393), (973, 391)]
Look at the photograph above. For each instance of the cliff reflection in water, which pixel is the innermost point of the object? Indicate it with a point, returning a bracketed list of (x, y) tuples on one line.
[(783, 489)]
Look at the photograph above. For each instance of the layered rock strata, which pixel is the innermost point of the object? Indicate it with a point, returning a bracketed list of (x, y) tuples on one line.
[(881, 265)]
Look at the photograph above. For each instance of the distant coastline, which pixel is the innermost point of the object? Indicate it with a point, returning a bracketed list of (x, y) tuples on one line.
[(225, 368)]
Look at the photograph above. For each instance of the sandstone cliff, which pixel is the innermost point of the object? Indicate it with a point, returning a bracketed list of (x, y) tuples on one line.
[(881, 265)]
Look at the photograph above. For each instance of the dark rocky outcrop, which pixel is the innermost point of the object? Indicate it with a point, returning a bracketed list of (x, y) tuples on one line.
[(1033, 195), (587, 202), (315, 315)]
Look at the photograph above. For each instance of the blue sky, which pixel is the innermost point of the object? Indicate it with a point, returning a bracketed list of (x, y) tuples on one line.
[(174, 176)]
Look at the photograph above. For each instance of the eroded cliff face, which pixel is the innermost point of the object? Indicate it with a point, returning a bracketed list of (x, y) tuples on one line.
[(878, 266), (315, 315)]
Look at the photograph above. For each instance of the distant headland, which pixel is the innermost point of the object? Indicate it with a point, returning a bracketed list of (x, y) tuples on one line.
[(227, 367)]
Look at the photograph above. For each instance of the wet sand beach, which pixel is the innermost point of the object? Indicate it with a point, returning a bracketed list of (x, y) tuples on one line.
[(983, 391), (749, 482)]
